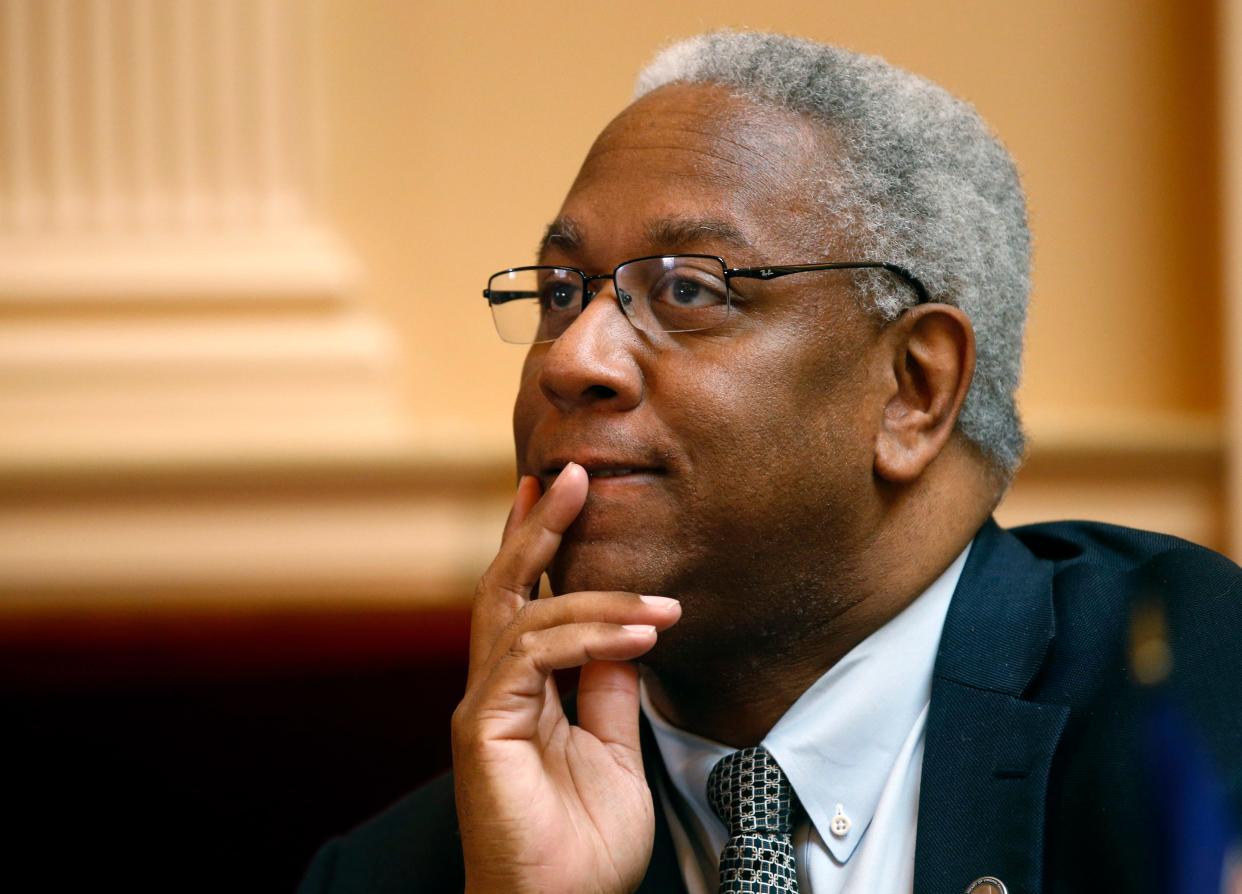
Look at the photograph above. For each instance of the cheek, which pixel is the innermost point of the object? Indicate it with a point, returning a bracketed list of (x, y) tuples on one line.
[(789, 419)]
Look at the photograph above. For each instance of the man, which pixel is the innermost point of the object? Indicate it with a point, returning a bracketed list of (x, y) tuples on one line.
[(765, 418)]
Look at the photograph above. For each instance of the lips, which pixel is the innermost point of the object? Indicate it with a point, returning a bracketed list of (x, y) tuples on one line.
[(605, 471), (609, 473), (603, 468)]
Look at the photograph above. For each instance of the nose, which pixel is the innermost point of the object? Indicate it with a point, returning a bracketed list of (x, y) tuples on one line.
[(594, 363)]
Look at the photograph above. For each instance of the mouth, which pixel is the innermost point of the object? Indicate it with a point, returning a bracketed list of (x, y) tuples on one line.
[(603, 470)]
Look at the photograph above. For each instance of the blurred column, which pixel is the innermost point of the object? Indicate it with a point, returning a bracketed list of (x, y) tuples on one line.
[(1231, 155), (182, 360), (148, 141), (168, 280)]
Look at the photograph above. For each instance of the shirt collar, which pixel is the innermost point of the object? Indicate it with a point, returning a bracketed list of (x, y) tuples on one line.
[(838, 742)]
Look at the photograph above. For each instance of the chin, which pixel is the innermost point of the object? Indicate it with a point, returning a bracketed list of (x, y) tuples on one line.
[(603, 565)]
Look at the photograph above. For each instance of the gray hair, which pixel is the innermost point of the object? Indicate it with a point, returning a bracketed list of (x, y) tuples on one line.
[(921, 182)]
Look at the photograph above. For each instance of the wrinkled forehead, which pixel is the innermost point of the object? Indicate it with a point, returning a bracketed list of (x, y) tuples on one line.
[(704, 152), (728, 134)]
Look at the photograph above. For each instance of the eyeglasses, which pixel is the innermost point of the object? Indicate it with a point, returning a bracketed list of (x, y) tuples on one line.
[(661, 293)]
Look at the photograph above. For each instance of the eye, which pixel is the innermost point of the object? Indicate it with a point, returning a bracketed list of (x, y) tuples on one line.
[(558, 295), (688, 290)]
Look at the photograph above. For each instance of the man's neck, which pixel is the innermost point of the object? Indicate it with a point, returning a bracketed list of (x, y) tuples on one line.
[(736, 696), (737, 699), (734, 690)]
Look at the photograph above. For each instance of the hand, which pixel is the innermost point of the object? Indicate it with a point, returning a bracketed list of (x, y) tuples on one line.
[(543, 805)]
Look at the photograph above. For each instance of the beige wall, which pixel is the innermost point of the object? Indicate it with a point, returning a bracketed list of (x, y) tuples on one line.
[(352, 440)]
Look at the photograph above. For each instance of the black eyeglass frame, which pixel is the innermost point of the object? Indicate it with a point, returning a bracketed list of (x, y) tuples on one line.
[(774, 271)]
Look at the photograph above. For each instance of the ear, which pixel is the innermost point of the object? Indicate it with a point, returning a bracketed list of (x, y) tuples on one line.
[(932, 351)]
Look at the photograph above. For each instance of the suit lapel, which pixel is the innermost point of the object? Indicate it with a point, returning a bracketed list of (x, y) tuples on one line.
[(985, 776), (664, 871), (988, 752)]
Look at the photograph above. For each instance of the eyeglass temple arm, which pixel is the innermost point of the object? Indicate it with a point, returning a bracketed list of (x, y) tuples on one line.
[(773, 272), (500, 297)]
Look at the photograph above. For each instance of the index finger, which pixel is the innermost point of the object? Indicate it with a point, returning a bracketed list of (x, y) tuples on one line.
[(532, 536), (528, 493)]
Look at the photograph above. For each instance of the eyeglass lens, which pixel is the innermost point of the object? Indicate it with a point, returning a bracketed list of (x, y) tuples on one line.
[(678, 293)]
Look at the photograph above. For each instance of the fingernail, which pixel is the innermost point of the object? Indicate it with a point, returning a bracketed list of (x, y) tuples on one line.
[(640, 629), (663, 602), (562, 473)]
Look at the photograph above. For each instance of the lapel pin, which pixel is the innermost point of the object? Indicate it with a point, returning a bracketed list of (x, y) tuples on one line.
[(986, 885)]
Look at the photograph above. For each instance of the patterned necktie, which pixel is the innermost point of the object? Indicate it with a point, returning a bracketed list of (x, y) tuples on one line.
[(751, 795)]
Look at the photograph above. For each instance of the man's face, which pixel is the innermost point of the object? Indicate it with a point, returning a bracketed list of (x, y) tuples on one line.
[(731, 468)]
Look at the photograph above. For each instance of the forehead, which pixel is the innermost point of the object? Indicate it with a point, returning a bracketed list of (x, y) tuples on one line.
[(694, 153)]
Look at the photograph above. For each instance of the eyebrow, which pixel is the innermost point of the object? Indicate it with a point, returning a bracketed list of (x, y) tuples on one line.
[(672, 234), (669, 234), (562, 233)]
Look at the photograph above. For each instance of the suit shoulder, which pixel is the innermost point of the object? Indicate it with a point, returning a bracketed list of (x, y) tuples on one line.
[(1114, 547), (1099, 569), (1098, 572), (414, 845)]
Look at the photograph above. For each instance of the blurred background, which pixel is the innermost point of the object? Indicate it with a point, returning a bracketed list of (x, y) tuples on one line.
[(254, 419)]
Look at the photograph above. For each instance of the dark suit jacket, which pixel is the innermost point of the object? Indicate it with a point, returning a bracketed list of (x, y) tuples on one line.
[(1033, 765)]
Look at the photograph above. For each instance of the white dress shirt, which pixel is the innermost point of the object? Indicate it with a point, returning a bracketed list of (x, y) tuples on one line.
[(851, 746)]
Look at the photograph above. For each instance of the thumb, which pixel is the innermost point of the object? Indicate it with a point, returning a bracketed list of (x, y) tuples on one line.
[(608, 707)]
